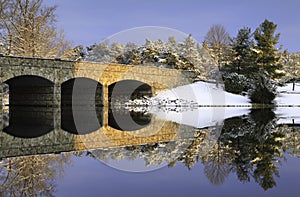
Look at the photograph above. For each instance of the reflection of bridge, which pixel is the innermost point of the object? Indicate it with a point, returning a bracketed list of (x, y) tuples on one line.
[(54, 87)]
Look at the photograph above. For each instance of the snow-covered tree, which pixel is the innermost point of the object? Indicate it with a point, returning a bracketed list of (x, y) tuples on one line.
[(243, 54), (217, 41), (267, 56), (186, 55), (28, 29), (99, 52), (291, 67)]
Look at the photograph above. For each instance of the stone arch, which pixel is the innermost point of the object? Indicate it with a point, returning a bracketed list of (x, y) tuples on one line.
[(27, 71), (128, 89), (81, 105), (121, 92), (28, 112), (30, 90)]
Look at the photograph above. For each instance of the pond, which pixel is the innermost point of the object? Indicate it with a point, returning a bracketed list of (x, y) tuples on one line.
[(166, 151)]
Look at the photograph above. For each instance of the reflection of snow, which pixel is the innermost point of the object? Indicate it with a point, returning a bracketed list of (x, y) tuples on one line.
[(288, 115), (201, 117)]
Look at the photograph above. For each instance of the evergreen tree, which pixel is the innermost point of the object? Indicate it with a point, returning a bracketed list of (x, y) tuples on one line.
[(266, 51), (243, 54)]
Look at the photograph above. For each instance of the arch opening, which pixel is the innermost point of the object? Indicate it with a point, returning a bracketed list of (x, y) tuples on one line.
[(81, 105), (118, 94), (28, 114), (125, 90)]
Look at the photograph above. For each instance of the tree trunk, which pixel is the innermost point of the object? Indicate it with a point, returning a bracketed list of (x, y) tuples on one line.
[(294, 85)]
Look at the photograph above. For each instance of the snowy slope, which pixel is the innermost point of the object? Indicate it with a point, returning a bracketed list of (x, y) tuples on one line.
[(287, 96), (203, 94)]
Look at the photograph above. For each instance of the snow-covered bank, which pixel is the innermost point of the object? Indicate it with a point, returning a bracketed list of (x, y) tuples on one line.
[(207, 94), (210, 95), (287, 96), (181, 105), (203, 94)]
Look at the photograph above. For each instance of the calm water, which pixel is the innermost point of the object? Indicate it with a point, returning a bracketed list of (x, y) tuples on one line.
[(251, 153)]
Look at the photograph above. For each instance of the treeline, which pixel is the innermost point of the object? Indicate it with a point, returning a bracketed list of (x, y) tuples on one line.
[(251, 63)]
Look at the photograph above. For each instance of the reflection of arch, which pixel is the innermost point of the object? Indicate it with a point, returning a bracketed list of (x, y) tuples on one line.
[(125, 90), (128, 120), (81, 101), (107, 136), (29, 122), (29, 90)]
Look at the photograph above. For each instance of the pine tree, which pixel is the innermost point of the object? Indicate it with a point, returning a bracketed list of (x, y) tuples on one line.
[(243, 54), (266, 51)]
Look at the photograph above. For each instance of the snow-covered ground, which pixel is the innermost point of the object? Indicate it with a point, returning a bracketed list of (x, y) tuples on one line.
[(207, 94), (203, 94), (211, 98), (288, 88), (206, 104), (287, 96)]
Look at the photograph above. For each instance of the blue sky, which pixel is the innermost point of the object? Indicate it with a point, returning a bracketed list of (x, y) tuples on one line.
[(90, 21)]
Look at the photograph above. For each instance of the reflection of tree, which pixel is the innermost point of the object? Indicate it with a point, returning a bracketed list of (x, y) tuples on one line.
[(32, 175), (257, 149), (191, 155), (291, 141), (217, 164), (249, 145)]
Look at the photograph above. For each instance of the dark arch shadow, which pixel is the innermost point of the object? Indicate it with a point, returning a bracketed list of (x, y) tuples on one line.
[(30, 90), (29, 114), (121, 92), (128, 120), (81, 105), (128, 90)]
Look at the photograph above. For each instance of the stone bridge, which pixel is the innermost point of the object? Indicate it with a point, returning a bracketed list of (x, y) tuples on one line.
[(50, 105)]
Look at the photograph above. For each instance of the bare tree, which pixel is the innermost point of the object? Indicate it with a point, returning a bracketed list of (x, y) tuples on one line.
[(217, 41), (28, 29)]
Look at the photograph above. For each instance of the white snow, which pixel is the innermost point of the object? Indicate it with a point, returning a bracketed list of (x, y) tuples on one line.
[(289, 88), (208, 94), (181, 105), (288, 115), (203, 94), (211, 97), (203, 116), (287, 96)]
